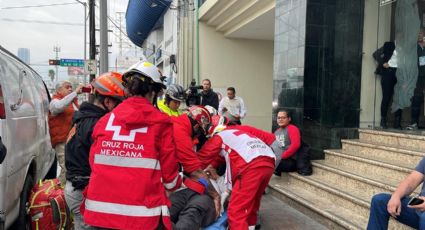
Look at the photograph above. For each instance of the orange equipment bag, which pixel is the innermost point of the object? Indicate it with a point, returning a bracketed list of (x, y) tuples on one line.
[(47, 206)]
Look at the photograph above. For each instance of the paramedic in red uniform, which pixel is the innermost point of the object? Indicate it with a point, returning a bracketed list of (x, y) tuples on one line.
[(133, 159), (249, 166), (187, 128)]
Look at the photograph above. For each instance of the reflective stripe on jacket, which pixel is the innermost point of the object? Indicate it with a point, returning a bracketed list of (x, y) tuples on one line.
[(133, 164), (239, 149)]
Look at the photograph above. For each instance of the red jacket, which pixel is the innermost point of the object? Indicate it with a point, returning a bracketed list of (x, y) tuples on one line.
[(133, 162), (269, 138), (240, 150), (185, 145), (265, 136), (294, 139)]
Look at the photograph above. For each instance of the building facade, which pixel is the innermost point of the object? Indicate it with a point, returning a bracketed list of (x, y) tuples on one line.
[(313, 57), (24, 55)]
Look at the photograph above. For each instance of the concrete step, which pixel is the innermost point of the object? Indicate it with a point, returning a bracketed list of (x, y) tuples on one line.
[(367, 166), (324, 202), (404, 157), (393, 139)]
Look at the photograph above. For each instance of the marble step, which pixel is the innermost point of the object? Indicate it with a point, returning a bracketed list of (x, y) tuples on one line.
[(316, 205), (368, 185), (357, 185), (328, 205), (384, 172), (388, 154), (394, 139)]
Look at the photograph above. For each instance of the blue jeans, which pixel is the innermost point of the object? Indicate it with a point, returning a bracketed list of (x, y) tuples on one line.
[(379, 215)]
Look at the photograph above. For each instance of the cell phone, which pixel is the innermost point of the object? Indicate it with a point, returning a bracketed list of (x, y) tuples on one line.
[(415, 201), (86, 89)]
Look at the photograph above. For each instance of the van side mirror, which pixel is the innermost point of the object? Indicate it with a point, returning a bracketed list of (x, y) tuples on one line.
[(18, 102)]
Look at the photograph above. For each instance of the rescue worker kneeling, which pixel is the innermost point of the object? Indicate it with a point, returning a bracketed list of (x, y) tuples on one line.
[(190, 210), (249, 166), (133, 159)]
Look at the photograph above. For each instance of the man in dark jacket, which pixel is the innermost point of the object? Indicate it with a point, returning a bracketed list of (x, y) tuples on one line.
[(387, 67), (208, 96), (108, 93)]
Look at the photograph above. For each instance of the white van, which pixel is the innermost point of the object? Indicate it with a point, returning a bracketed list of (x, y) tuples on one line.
[(24, 108)]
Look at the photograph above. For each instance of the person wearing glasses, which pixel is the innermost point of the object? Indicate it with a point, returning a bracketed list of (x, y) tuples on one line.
[(289, 140), (61, 109)]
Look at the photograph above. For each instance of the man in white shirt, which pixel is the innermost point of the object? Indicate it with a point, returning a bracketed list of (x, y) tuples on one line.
[(232, 106)]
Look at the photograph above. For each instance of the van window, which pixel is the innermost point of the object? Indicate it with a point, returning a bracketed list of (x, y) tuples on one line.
[(11, 75)]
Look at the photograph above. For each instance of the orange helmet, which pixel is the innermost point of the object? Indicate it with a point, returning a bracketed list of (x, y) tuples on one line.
[(109, 84)]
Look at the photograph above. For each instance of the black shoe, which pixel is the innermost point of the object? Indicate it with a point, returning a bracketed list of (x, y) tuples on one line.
[(397, 119), (383, 123), (302, 173)]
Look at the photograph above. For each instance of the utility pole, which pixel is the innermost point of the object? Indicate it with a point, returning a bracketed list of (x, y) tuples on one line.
[(92, 34), (85, 36), (56, 49), (120, 37), (103, 52)]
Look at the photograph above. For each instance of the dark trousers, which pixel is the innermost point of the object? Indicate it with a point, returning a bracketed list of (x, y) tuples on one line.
[(379, 216), (189, 210), (388, 80), (300, 162), (417, 101)]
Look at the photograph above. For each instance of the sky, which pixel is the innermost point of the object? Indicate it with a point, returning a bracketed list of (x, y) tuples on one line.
[(43, 27)]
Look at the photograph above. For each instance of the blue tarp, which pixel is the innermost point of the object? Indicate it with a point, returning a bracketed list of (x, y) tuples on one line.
[(142, 16)]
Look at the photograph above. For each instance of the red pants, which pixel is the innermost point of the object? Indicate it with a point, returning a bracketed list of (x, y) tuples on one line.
[(246, 196)]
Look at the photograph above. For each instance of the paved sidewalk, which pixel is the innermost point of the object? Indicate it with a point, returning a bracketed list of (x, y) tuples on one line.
[(276, 215)]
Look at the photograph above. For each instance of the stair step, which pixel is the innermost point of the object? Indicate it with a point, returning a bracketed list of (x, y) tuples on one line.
[(327, 205), (368, 184), (388, 154), (402, 140), (322, 209), (353, 184), (367, 166)]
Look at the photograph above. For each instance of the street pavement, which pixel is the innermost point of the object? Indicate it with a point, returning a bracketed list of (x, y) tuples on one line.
[(276, 215)]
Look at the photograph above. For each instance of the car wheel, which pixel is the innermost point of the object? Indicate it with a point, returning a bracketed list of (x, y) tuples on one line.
[(23, 222)]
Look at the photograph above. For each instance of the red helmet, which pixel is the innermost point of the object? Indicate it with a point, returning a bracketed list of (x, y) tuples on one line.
[(200, 114), (218, 124)]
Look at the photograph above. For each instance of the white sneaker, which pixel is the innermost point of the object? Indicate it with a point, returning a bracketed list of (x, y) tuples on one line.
[(413, 126)]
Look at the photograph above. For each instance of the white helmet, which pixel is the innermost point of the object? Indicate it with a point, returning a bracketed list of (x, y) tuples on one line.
[(146, 69), (211, 110)]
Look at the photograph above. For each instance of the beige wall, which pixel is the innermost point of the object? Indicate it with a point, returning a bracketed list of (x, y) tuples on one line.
[(372, 39), (244, 64)]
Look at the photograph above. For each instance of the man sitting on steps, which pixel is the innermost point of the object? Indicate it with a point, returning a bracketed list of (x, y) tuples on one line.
[(384, 205)]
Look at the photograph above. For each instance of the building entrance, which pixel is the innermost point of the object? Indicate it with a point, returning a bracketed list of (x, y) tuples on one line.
[(393, 65)]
